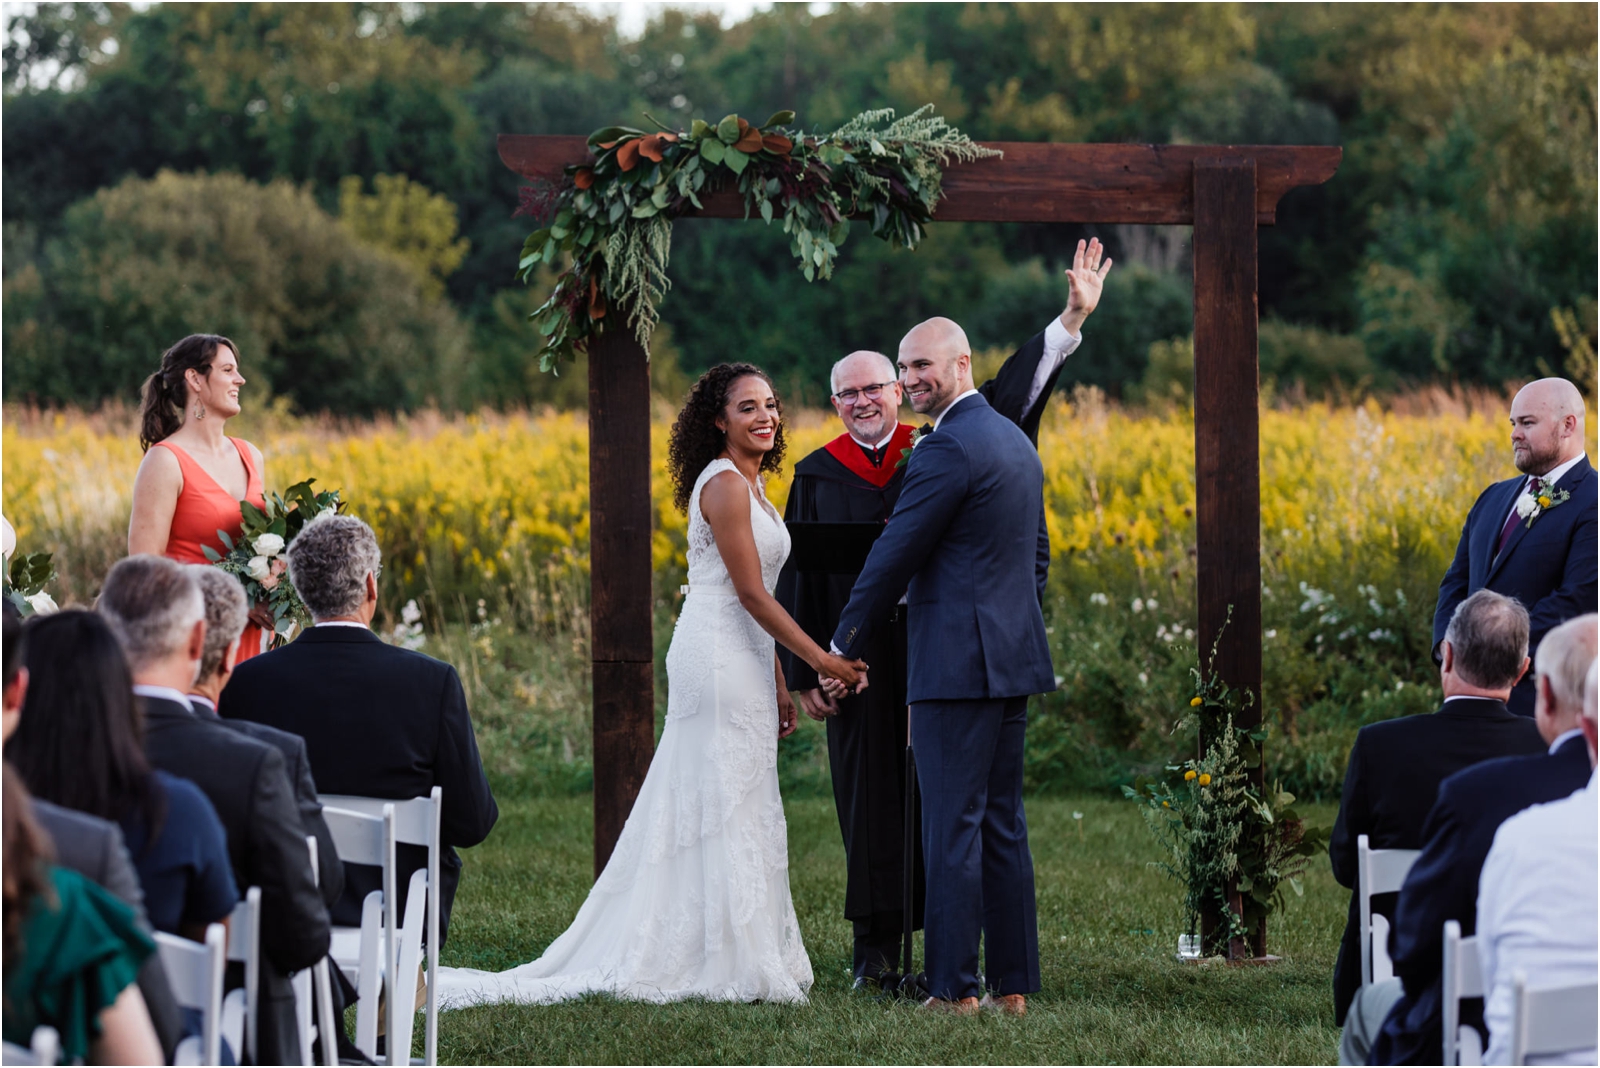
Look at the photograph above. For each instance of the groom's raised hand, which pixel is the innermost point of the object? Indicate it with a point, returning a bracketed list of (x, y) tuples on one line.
[(1086, 277)]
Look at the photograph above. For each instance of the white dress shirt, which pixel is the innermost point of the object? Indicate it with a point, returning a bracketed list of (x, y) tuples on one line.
[(1551, 477), (867, 445), (342, 623), (1561, 739), (1538, 898), (164, 693)]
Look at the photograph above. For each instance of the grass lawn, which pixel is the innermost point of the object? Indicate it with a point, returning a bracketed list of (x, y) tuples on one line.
[(1108, 928)]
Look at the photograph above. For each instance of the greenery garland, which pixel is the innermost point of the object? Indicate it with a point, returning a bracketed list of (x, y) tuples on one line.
[(610, 218)]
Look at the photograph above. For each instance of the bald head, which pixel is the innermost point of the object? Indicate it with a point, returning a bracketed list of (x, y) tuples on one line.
[(866, 395), (1546, 425), (1560, 666), (935, 364)]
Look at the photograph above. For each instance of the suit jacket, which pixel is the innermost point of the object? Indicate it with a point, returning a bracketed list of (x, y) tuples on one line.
[(93, 848), (967, 545), (1549, 567), (378, 721), (248, 785), (1443, 884), (1390, 786), (330, 873)]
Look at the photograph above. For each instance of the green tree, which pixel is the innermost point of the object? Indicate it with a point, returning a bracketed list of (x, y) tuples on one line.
[(404, 217)]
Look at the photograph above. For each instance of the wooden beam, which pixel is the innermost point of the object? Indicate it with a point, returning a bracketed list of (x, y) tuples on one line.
[(1227, 436), (620, 617), (1037, 182)]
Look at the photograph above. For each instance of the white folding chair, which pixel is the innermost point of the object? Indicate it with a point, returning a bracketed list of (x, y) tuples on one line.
[(195, 971), (1463, 978), (239, 1014), (1378, 871), (44, 1047), (364, 953), (417, 822), (313, 995), (1554, 1020)]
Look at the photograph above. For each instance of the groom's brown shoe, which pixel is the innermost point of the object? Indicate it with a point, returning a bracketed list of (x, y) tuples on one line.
[(1006, 1004), (958, 1007)]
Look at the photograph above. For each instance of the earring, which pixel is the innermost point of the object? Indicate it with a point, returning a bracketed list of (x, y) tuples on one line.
[(199, 411)]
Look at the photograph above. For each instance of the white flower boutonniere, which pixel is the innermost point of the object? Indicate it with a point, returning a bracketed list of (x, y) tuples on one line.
[(916, 436), (1538, 499)]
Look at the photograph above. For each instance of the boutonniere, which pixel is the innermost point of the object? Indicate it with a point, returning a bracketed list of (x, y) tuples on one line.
[(1538, 499), (916, 435)]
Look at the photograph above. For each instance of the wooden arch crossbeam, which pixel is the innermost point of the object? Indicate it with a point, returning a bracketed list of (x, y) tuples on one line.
[(1224, 191)]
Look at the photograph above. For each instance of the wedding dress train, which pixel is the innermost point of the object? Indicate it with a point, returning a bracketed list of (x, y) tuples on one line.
[(694, 902)]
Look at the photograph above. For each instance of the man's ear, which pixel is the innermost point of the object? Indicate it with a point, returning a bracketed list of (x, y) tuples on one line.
[(1447, 657), (230, 656), (197, 640), (1526, 661), (372, 587)]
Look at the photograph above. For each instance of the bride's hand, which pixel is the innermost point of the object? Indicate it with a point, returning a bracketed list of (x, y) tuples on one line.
[(851, 673), (787, 720)]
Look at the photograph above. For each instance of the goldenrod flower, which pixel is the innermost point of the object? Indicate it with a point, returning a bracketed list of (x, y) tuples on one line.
[(1188, 775), (1205, 780), (1196, 702)]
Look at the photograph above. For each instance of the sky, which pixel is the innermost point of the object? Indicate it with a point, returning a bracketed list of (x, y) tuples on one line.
[(633, 15)]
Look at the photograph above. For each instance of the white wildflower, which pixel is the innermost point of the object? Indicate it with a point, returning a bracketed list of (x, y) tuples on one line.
[(1099, 598), (1151, 604), (1270, 634), (411, 613), (1144, 680), (1138, 604)]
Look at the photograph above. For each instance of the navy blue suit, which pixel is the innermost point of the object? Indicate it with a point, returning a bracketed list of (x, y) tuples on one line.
[(967, 545), (1443, 885), (1549, 567)]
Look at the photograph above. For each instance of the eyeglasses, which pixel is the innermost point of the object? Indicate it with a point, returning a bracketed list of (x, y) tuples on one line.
[(873, 392)]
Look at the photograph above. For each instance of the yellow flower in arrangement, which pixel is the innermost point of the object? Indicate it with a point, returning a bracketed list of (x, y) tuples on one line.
[(1544, 501), (1188, 776), (1196, 702), (1166, 804), (1205, 780)]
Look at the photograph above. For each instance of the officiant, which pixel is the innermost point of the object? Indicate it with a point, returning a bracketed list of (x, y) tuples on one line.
[(852, 484)]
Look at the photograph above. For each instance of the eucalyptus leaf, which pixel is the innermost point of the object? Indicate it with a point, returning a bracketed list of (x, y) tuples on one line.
[(645, 210), (779, 118), (766, 210), (700, 128), (736, 161), (712, 151)]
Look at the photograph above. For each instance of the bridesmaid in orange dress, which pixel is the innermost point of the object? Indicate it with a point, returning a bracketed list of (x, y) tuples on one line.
[(190, 484)]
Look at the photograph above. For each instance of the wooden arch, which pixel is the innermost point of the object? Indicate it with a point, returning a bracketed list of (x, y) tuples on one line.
[(1224, 191)]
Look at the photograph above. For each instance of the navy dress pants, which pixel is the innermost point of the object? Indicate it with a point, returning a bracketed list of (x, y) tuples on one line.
[(975, 846)]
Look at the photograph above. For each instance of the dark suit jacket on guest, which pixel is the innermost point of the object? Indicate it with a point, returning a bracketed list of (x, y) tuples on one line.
[(1549, 567), (93, 848), (967, 546), (249, 787), (330, 873), (378, 721), (1443, 885), (1390, 786)]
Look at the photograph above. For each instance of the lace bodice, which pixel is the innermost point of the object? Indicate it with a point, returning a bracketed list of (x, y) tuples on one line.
[(772, 537)]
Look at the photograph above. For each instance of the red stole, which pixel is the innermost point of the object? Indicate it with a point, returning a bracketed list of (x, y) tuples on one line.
[(845, 449)]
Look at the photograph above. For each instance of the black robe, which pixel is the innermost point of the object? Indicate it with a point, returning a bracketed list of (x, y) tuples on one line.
[(867, 739)]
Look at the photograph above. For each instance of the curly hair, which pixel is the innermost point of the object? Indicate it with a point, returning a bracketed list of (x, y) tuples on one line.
[(696, 441)]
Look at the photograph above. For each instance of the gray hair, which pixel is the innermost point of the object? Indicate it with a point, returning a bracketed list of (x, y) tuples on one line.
[(1591, 684), (1564, 657), (227, 611), (329, 561), (1489, 633), (833, 375), (152, 605)]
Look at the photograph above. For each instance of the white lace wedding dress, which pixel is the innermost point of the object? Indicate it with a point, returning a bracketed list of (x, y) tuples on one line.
[(694, 902)]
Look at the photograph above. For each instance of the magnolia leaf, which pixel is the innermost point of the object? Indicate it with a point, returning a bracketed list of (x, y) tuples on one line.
[(612, 133), (713, 150), (660, 196), (728, 129), (616, 211), (700, 128), (736, 161), (645, 210), (779, 118)]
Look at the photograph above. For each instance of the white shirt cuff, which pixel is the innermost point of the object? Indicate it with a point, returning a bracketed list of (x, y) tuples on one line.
[(1059, 343)]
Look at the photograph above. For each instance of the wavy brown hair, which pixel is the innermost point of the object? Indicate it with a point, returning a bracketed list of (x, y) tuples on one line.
[(26, 851), (165, 394), (696, 441)]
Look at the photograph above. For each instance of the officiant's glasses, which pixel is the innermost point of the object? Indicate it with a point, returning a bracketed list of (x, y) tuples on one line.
[(872, 392)]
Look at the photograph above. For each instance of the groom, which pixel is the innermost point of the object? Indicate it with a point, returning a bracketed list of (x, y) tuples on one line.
[(967, 545)]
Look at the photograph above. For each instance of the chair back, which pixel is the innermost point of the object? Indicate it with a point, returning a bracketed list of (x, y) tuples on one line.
[(44, 1047), (1554, 1020), (195, 973), (416, 822), (244, 946), (1378, 871), (314, 992), (1462, 978)]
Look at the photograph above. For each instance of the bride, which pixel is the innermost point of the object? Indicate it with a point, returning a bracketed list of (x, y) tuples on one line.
[(694, 902)]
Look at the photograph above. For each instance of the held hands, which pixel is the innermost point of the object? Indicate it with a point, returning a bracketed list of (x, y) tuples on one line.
[(840, 677), (818, 705), (1087, 277), (261, 616)]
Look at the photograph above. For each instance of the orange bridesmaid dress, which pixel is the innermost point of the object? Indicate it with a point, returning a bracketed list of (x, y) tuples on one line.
[(204, 508)]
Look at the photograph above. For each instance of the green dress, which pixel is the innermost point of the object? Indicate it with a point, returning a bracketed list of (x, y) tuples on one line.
[(77, 957)]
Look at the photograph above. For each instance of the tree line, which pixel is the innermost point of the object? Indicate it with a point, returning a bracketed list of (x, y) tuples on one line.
[(320, 182)]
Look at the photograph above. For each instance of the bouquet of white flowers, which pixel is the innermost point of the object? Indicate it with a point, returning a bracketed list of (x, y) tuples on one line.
[(257, 558)]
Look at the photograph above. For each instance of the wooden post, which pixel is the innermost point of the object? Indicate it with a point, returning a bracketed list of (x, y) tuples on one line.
[(1226, 436), (620, 623)]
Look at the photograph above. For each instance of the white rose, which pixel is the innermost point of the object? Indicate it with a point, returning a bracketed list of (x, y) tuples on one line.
[(42, 603), (269, 545), (1526, 506), (8, 538), (258, 568)]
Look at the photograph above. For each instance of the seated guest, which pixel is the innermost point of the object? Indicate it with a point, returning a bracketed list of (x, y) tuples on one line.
[(158, 613), (227, 612), (71, 951), (79, 747), (1396, 766), (1537, 902), (93, 847), (378, 721), (1473, 803)]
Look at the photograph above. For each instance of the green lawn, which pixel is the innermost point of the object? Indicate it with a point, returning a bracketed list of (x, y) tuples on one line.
[(1108, 927)]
